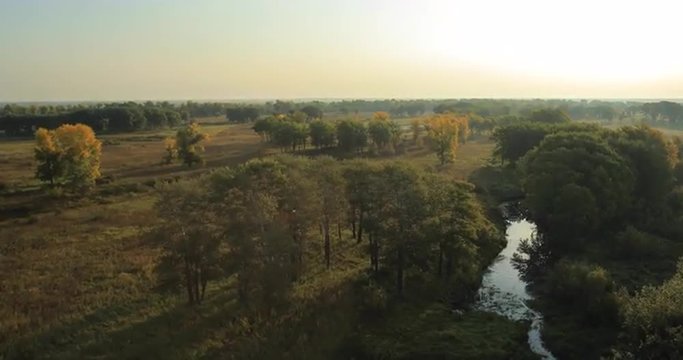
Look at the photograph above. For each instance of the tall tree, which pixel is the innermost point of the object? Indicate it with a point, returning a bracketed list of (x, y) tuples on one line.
[(190, 238)]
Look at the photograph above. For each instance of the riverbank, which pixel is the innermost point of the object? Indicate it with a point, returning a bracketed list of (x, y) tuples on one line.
[(452, 328)]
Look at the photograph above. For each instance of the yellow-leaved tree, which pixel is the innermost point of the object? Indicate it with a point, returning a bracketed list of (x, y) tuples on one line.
[(68, 155), (444, 134)]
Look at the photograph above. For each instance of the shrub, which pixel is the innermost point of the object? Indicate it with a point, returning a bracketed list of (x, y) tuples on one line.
[(587, 289)]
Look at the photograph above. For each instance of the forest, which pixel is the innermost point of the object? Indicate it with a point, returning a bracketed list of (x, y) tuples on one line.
[(347, 229)]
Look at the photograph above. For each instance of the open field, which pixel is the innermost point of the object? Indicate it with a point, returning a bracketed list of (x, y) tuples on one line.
[(136, 156)]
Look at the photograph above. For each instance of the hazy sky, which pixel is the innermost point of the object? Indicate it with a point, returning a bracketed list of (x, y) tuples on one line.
[(211, 49)]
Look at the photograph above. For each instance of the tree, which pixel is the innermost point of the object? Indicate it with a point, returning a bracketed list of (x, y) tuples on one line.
[(260, 247), (190, 239), (265, 127), (49, 157), (575, 184), (313, 112), (331, 189), (322, 133), (652, 159), (416, 126), (443, 134), (187, 145), (549, 116), (400, 212), (380, 132), (652, 321), (455, 222), (289, 134), (69, 154), (515, 140), (352, 135), (242, 114)]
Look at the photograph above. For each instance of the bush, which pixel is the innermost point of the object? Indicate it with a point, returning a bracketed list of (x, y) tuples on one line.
[(653, 321), (587, 289)]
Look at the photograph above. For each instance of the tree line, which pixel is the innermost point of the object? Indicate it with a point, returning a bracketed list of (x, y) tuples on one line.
[(353, 136), (111, 118)]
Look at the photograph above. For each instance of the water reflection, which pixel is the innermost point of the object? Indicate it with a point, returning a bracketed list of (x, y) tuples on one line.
[(504, 292)]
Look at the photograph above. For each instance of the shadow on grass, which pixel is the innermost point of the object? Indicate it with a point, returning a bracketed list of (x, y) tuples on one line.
[(154, 328)]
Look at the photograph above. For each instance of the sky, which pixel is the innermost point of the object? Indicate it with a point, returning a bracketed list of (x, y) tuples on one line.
[(110, 50)]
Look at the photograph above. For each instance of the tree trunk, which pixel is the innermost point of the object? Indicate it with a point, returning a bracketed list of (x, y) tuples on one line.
[(353, 224), (376, 250), (449, 265), (399, 272), (327, 242), (197, 280), (360, 227), (204, 281), (188, 283), (339, 234), (440, 261)]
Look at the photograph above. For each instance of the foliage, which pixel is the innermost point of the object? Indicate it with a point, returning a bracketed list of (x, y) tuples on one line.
[(652, 159), (190, 239), (575, 184), (653, 321), (383, 131), (70, 154), (322, 133), (352, 135), (187, 146), (444, 135), (586, 289), (242, 114), (549, 116)]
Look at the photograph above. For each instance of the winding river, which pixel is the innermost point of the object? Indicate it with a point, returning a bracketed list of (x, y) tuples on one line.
[(504, 292)]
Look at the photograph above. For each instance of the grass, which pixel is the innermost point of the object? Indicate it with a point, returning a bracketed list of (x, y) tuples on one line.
[(136, 156), (435, 332), (78, 272)]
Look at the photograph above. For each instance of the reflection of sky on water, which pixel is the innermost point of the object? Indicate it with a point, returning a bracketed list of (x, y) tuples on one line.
[(503, 291)]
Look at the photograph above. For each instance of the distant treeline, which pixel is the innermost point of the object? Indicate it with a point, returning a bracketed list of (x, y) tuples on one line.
[(110, 118), (16, 120)]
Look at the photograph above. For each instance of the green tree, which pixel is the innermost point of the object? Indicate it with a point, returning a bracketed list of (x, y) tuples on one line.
[(312, 112), (352, 135), (574, 184), (332, 199), (190, 238), (250, 199), (549, 116), (322, 133), (380, 132), (187, 144), (652, 159)]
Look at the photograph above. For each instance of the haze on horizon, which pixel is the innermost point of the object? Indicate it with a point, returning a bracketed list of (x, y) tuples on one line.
[(209, 49)]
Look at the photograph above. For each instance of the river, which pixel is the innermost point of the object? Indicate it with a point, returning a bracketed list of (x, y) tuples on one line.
[(505, 293)]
